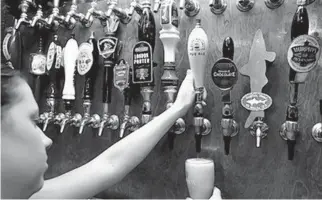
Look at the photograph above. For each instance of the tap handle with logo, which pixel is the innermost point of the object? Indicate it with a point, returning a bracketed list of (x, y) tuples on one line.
[(38, 66), (87, 64), (54, 62)]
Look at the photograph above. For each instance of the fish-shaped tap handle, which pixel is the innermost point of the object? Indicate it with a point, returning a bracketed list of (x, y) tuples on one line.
[(255, 69)]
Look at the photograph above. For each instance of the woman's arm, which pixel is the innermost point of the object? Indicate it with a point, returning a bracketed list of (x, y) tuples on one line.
[(120, 159)]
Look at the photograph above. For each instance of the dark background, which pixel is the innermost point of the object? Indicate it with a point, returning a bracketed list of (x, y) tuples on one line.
[(248, 172)]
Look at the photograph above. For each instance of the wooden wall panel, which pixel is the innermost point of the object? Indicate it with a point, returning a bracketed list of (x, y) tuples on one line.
[(248, 172)]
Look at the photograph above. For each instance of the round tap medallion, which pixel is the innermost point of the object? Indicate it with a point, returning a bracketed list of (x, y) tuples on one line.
[(256, 101), (224, 73), (38, 64), (304, 53), (85, 58)]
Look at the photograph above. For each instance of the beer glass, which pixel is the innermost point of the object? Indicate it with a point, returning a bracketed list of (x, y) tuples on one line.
[(200, 177)]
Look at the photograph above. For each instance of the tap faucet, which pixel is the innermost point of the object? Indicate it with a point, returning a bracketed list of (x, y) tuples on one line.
[(54, 19), (123, 14), (111, 122), (191, 7), (131, 123), (317, 128), (217, 6), (94, 13), (289, 130), (38, 18), (245, 5), (72, 16), (24, 7), (273, 4), (64, 119), (259, 129)]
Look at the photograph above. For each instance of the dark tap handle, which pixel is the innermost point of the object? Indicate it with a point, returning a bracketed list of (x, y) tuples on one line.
[(300, 23), (227, 140), (228, 48), (36, 83), (108, 81), (90, 76), (291, 148), (292, 113), (147, 27), (300, 26)]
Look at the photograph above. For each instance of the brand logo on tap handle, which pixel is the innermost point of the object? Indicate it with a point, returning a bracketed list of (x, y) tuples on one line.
[(224, 74), (121, 75), (303, 53), (107, 46), (85, 58), (256, 101), (142, 63)]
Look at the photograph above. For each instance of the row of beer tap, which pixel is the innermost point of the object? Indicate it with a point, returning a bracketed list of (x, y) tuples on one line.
[(125, 77), (191, 8)]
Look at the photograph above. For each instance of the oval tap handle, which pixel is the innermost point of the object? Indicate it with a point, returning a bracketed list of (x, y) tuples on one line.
[(228, 48), (69, 68)]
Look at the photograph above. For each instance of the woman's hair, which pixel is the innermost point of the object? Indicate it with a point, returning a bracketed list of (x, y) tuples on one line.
[(9, 77)]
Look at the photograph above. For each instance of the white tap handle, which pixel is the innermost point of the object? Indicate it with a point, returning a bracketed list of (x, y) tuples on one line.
[(197, 52), (70, 57)]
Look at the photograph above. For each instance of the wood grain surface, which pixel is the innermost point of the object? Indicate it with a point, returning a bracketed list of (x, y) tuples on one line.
[(248, 172)]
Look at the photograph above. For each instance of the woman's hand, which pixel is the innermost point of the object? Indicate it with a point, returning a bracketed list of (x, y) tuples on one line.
[(186, 94), (216, 195)]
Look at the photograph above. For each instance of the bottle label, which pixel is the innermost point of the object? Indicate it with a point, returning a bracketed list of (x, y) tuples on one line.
[(224, 74), (107, 46), (256, 101), (51, 55), (85, 58), (142, 63), (121, 75), (38, 64), (304, 53)]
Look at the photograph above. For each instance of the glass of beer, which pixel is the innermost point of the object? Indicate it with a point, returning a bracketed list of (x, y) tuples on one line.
[(200, 177)]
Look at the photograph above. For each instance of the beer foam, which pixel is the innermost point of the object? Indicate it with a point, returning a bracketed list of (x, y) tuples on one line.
[(199, 161)]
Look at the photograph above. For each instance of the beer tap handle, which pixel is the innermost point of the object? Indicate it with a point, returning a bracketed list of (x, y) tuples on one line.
[(228, 48), (38, 66), (69, 68)]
